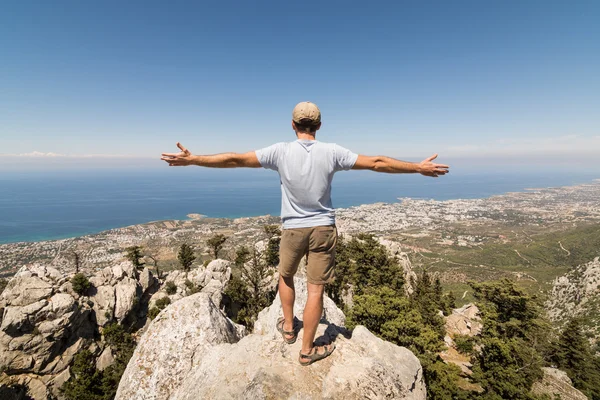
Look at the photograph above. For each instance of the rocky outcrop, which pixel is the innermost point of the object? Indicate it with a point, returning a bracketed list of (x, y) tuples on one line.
[(39, 324), (557, 384), (210, 280), (463, 321), (396, 251), (577, 294), (211, 362), (44, 323)]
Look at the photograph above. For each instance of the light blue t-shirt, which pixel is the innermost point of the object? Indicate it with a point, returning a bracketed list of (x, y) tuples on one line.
[(306, 168)]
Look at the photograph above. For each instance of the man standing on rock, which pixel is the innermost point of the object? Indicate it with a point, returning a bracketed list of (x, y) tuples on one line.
[(306, 168)]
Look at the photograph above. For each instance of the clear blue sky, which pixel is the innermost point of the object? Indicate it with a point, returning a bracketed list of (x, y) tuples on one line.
[(406, 79)]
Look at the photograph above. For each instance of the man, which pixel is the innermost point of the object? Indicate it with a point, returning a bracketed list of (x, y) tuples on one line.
[(306, 168)]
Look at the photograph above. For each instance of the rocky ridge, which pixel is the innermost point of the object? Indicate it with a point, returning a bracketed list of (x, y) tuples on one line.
[(577, 294), (220, 364), (44, 322)]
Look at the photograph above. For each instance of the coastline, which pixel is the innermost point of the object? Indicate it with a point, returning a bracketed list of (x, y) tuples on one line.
[(340, 210)]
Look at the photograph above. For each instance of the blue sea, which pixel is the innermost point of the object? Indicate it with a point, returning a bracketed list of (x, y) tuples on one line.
[(48, 205)]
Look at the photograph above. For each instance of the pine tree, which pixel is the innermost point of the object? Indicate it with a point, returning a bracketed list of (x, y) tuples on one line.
[(186, 256), (134, 254), (242, 256), (574, 356), (215, 242), (513, 340)]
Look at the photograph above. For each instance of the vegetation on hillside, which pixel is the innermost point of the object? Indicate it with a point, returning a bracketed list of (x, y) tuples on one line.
[(88, 383), (507, 357)]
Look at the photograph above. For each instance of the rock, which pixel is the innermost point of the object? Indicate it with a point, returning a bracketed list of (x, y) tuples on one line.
[(557, 384), (464, 321), (118, 272), (147, 280), (104, 300), (214, 290), (23, 290), (105, 360), (395, 250), (57, 381), (17, 320), (211, 363), (219, 270), (61, 304), (575, 294), (173, 343), (126, 292), (267, 318)]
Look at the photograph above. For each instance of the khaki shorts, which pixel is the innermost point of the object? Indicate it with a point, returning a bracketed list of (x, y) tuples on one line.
[(319, 243)]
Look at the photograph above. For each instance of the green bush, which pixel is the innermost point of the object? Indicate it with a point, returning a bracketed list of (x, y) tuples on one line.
[(80, 283), (153, 312), (464, 344), (170, 287), (162, 303)]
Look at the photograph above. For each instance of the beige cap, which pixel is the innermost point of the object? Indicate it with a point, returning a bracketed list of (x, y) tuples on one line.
[(306, 113)]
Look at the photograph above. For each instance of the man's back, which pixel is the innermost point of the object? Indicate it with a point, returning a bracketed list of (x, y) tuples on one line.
[(306, 169)]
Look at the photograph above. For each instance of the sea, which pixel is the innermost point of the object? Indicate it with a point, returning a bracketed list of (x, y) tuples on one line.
[(47, 205)]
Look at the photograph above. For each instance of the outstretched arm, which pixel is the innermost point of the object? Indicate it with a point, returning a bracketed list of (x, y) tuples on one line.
[(224, 160), (391, 165)]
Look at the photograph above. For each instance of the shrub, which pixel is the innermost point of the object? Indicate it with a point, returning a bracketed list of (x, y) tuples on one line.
[(80, 283), (464, 344), (162, 303), (170, 287), (153, 312)]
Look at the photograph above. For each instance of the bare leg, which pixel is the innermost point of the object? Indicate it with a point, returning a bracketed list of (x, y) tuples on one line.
[(312, 315), (287, 294)]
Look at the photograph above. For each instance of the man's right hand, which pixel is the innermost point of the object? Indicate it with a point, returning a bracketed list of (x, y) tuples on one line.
[(427, 168)]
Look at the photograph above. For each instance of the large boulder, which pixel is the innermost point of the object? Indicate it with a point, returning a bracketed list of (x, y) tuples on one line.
[(211, 363), (174, 342)]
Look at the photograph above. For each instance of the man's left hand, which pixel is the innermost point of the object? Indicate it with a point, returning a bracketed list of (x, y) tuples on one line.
[(178, 159)]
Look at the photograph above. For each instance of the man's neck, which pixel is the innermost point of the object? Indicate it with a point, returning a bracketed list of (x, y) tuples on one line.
[(306, 136)]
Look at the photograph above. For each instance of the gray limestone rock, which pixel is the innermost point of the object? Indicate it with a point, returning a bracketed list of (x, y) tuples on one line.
[(127, 293), (182, 356), (104, 300), (147, 280), (23, 290), (105, 360), (173, 343)]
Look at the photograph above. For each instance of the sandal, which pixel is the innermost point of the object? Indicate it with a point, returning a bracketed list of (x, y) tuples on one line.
[(314, 355), (285, 334)]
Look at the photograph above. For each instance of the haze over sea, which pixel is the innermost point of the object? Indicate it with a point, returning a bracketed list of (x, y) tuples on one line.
[(38, 206)]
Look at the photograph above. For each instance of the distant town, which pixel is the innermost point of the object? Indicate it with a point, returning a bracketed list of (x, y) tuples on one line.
[(417, 225)]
